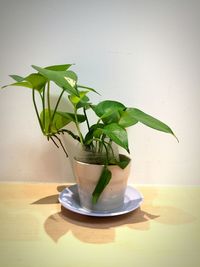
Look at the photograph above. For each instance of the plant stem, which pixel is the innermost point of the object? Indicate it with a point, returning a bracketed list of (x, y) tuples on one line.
[(76, 137), (43, 107), (55, 109), (61, 145), (54, 142), (88, 125), (78, 128), (48, 104), (36, 110)]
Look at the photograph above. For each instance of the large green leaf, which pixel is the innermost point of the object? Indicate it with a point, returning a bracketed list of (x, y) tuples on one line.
[(59, 67), (127, 118), (109, 111), (118, 134), (102, 183), (150, 121), (64, 79)]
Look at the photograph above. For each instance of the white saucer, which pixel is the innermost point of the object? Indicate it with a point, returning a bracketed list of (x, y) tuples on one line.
[(69, 199)]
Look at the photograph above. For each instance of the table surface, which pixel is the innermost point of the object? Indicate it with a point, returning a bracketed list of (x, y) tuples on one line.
[(36, 231)]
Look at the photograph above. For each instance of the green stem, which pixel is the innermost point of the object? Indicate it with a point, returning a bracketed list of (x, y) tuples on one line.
[(36, 110), (78, 128), (43, 108), (88, 125), (48, 104), (55, 109), (104, 144)]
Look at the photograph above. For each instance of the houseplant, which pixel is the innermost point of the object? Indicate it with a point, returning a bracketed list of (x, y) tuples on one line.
[(98, 145)]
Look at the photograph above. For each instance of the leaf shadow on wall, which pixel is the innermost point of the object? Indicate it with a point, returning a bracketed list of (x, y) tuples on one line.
[(103, 230)]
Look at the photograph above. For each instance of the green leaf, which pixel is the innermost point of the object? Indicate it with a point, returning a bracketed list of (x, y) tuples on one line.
[(123, 161), (79, 101), (33, 81), (89, 88), (37, 80), (95, 131), (127, 118), (17, 78), (59, 67), (61, 119), (23, 84), (81, 118), (102, 183), (150, 121), (109, 111), (118, 134), (64, 79)]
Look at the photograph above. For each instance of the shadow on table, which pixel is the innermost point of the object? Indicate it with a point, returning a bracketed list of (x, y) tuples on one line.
[(102, 230), (94, 229)]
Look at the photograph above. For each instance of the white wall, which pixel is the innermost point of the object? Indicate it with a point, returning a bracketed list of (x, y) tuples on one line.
[(143, 53)]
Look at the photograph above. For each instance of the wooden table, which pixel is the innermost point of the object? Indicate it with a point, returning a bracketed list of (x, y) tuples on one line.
[(36, 231)]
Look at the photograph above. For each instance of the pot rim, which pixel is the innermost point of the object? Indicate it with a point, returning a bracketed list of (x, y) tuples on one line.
[(94, 164)]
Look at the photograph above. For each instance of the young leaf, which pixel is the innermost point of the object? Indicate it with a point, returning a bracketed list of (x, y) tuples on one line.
[(117, 134), (102, 183), (75, 100)]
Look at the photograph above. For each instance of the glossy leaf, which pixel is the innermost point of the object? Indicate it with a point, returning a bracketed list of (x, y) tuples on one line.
[(95, 131), (127, 118), (117, 134), (64, 79), (102, 183), (109, 111), (150, 121)]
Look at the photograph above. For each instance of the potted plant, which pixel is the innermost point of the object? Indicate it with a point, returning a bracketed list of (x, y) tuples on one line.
[(100, 171)]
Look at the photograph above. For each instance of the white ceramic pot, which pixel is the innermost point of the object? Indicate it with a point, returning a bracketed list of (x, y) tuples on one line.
[(87, 176)]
